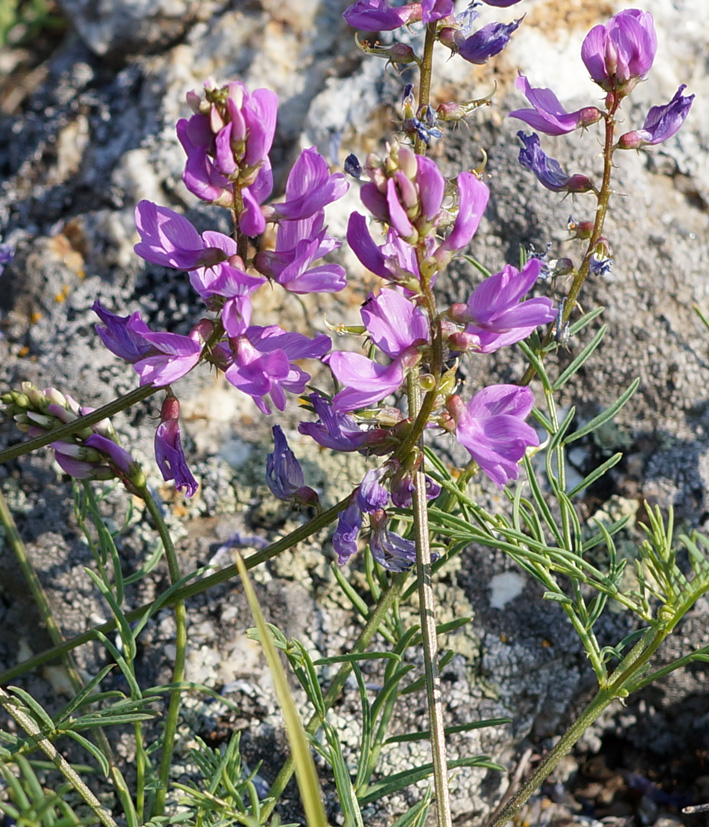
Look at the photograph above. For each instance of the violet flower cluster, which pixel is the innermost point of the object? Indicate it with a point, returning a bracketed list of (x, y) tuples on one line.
[(227, 141), (618, 55), (416, 222)]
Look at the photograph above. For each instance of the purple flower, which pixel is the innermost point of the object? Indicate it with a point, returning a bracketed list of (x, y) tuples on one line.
[(501, 4), (310, 187), (397, 327), (344, 540), (284, 476), (261, 363), (168, 238), (483, 44), (298, 245), (492, 428), (391, 551), (402, 489), (473, 196), (227, 145), (367, 382), (122, 335), (620, 53), (393, 322), (371, 494), (172, 356), (335, 430), (168, 448), (6, 256), (548, 170), (496, 315), (379, 16), (435, 9), (661, 123), (98, 458), (549, 115)]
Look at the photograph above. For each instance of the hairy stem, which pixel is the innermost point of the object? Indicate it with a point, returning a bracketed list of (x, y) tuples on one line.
[(427, 611), (29, 725)]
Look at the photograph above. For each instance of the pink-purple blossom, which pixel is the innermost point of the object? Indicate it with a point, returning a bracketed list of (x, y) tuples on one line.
[(494, 314), (169, 239), (548, 115), (169, 454), (621, 52), (492, 429), (398, 328), (309, 188), (262, 363), (298, 245)]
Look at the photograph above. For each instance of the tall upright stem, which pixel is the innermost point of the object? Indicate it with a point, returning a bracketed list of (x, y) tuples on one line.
[(427, 613)]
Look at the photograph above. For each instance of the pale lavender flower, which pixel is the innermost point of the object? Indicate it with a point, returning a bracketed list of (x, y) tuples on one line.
[(661, 123), (548, 170), (621, 52), (548, 115), (495, 315), (284, 475), (169, 454), (492, 429)]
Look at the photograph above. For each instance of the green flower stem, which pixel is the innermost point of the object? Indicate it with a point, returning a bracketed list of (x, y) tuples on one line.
[(178, 672), (55, 634), (632, 664), (199, 587), (427, 611), (29, 725), (118, 405), (603, 200), (562, 748), (374, 621)]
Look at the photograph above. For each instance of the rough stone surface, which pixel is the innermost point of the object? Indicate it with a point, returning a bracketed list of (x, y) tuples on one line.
[(96, 134)]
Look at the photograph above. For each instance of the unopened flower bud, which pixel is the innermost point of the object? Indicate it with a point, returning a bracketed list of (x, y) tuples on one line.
[(580, 229)]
